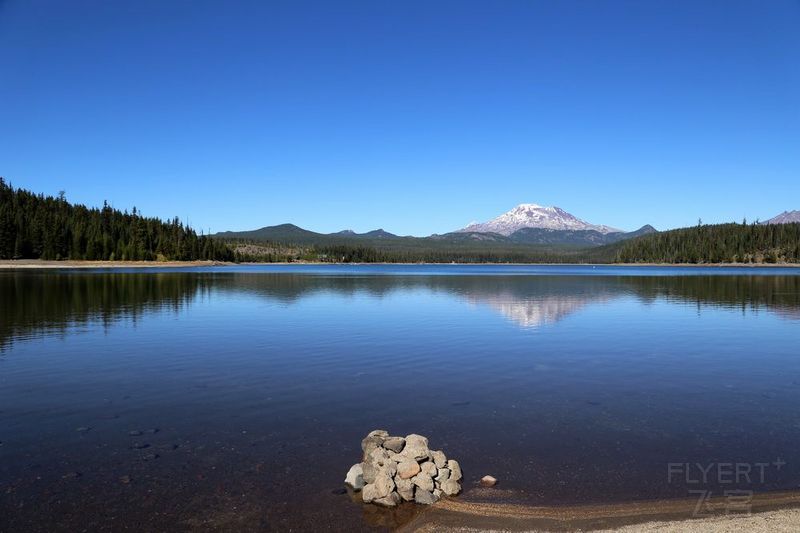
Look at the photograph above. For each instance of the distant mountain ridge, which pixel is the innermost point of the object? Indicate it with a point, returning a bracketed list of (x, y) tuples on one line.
[(526, 224), (289, 233), (787, 217), (526, 216)]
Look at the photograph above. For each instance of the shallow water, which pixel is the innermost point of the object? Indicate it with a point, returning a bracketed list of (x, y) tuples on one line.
[(253, 386)]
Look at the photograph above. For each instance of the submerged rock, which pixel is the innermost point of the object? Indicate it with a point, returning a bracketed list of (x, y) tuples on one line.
[(388, 501), (425, 497), (488, 481)]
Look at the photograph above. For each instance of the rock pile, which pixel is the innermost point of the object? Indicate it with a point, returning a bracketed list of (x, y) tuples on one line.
[(395, 469)]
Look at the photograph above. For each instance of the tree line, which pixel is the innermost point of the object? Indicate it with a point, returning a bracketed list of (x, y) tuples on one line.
[(717, 243), (35, 226)]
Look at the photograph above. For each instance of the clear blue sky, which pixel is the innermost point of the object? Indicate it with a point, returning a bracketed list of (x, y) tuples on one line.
[(417, 117)]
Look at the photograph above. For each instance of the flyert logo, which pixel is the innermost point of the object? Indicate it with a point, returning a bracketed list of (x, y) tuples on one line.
[(721, 473)]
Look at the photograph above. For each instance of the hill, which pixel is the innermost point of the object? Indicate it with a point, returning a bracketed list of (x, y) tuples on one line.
[(34, 226), (718, 243), (291, 234)]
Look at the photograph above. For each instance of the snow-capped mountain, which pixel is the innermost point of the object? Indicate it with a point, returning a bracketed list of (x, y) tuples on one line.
[(535, 216), (787, 217)]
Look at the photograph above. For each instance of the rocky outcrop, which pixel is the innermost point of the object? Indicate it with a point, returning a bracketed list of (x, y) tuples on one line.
[(396, 469)]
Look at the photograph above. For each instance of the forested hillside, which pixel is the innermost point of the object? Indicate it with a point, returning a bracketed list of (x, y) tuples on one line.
[(34, 226), (719, 243)]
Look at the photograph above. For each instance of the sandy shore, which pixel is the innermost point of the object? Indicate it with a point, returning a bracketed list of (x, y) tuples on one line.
[(779, 511), (784, 521), (42, 264)]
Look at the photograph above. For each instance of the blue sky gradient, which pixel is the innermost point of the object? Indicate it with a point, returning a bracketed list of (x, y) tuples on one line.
[(417, 117)]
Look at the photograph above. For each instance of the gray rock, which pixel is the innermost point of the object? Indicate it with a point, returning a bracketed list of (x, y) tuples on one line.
[(424, 497), (377, 457), (405, 488), (373, 440), (390, 467), (408, 469), (429, 468), (396, 469), (395, 444), (416, 447), (369, 471), (451, 487), (369, 493), (388, 501), (355, 477), (439, 459), (384, 484), (423, 481), (455, 469), (369, 444)]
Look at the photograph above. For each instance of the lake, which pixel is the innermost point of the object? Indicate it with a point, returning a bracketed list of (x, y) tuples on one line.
[(235, 398)]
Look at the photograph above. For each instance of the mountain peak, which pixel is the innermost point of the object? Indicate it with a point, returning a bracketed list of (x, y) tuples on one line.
[(535, 216), (380, 233), (787, 217)]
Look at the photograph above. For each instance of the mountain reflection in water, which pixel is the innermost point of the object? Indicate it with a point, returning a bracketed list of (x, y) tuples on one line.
[(195, 399), (35, 303)]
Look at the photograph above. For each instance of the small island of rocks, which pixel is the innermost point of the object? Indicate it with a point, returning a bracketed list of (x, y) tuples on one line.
[(396, 469)]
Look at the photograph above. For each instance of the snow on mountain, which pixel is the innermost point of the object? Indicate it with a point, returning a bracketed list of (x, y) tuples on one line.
[(787, 217), (535, 216)]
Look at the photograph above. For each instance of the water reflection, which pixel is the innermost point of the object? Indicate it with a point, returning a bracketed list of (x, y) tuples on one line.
[(44, 303), (251, 390)]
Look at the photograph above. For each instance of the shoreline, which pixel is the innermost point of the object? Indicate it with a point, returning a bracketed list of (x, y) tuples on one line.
[(32, 264), (771, 511)]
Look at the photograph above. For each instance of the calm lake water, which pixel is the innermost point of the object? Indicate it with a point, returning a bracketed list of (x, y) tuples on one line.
[(236, 398)]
